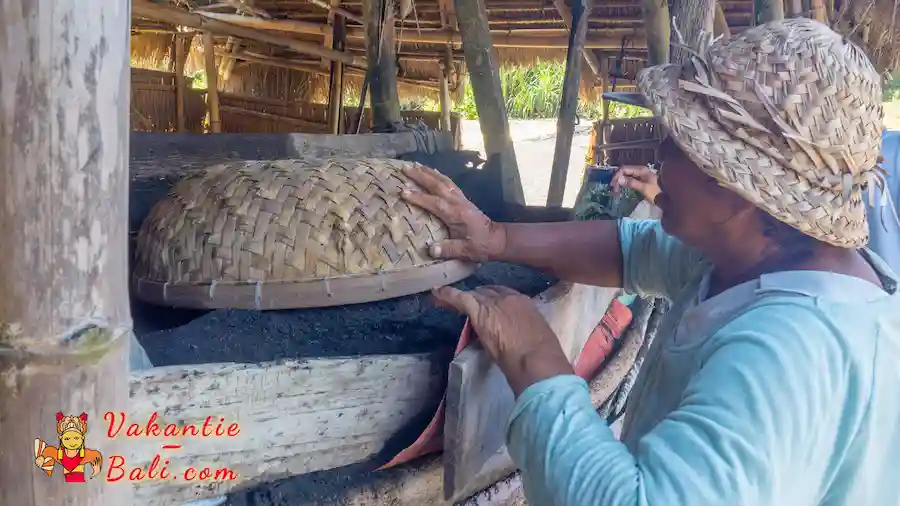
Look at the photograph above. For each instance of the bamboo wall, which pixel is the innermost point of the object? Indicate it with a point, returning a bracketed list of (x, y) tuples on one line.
[(628, 141), (153, 109)]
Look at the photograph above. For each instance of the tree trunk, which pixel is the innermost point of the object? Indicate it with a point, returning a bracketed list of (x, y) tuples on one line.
[(383, 93), (65, 323), (768, 10), (693, 18)]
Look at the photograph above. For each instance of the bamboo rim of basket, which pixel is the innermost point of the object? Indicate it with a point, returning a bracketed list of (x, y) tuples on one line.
[(313, 293)]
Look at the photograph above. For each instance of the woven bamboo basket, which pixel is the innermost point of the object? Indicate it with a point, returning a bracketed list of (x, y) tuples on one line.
[(282, 234)]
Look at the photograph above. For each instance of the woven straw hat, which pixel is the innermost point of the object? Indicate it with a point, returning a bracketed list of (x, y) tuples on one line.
[(786, 114), (283, 234)]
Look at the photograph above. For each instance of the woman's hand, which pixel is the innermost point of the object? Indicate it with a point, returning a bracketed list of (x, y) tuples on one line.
[(513, 332), (473, 236), (640, 179)]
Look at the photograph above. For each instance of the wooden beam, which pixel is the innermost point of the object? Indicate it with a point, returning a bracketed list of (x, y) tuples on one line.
[(565, 124), (381, 55), (336, 79), (337, 10), (481, 61), (315, 69), (164, 13), (720, 24), (693, 17), (566, 13), (657, 26), (182, 48), (295, 417), (212, 83), (65, 323), (500, 38), (768, 10)]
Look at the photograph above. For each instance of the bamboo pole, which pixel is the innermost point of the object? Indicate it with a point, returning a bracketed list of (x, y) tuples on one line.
[(182, 48), (485, 80), (446, 67), (657, 27), (720, 23), (233, 46), (500, 38), (565, 125), (212, 83), (383, 94), (65, 323), (164, 13), (336, 79)]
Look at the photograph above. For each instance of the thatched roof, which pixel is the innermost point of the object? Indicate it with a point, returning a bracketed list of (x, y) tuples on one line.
[(615, 25)]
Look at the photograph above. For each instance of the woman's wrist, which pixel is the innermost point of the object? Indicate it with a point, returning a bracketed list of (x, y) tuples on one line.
[(533, 366), (496, 247)]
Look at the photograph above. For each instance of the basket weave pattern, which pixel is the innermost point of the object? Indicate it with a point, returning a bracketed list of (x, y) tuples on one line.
[(276, 221), (788, 115)]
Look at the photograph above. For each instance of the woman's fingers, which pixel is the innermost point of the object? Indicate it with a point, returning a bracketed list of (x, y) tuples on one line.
[(433, 204), (431, 180), (450, 248), (457, 300)]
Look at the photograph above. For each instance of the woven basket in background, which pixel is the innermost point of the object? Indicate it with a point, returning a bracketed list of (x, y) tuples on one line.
[(279, 234)]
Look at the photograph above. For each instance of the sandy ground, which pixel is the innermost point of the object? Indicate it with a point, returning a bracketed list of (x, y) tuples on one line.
[(535, 141)]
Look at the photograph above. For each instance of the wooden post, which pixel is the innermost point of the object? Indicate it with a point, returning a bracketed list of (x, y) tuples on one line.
[(446, 68), (65, 323), (182, 48), (657, 27), (793, 8), (720, 23), (818, 10), (693, 17), (604, 130), (484, 76), (767, 10), (212, 83), (566, 14), (565, 124), (232, 47), (381, 55), (336, 79)]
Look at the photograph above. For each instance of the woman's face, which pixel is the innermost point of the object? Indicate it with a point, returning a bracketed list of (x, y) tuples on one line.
[(695, 208)]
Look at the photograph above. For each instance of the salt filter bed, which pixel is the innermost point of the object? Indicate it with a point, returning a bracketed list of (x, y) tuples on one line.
[(410, 324)]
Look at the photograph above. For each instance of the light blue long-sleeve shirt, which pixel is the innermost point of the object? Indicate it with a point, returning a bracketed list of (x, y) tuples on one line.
[(782, 391), (884, 230)]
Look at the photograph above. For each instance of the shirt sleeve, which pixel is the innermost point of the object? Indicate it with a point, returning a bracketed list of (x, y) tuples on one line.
[(755, 425), (653, 262)]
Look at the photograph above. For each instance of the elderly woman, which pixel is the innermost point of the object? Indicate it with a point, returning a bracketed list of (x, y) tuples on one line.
[(774, 380)]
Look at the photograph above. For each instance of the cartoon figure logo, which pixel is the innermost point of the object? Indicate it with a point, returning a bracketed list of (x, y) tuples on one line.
[(72, 455)]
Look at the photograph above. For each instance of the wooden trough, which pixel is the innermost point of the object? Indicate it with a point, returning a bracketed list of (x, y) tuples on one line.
[(307, 416)]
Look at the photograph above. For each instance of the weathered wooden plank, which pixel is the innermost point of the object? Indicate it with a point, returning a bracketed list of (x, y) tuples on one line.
[(481, 61), (65, 322), (294, 417), (212, 83), (565, 123), (479, 400)]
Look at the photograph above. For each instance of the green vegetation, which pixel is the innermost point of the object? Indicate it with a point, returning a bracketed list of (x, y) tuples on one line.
[(534, 92)]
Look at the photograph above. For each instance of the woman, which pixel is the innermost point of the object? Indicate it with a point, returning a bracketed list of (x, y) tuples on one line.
[(774, 380)]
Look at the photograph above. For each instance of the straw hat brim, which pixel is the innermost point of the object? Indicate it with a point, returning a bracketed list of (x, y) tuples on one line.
[(832, 217)]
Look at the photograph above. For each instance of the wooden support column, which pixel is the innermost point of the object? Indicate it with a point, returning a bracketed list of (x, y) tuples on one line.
[(381, 55), (767, 10), (182, 48), (446, 105), (212, 83), (336, 79), (589, 55), (565, 124), (693, 17), (65, 323), (793, 8), (484, 76), (720, 23), (818, 11), (657, 26)]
